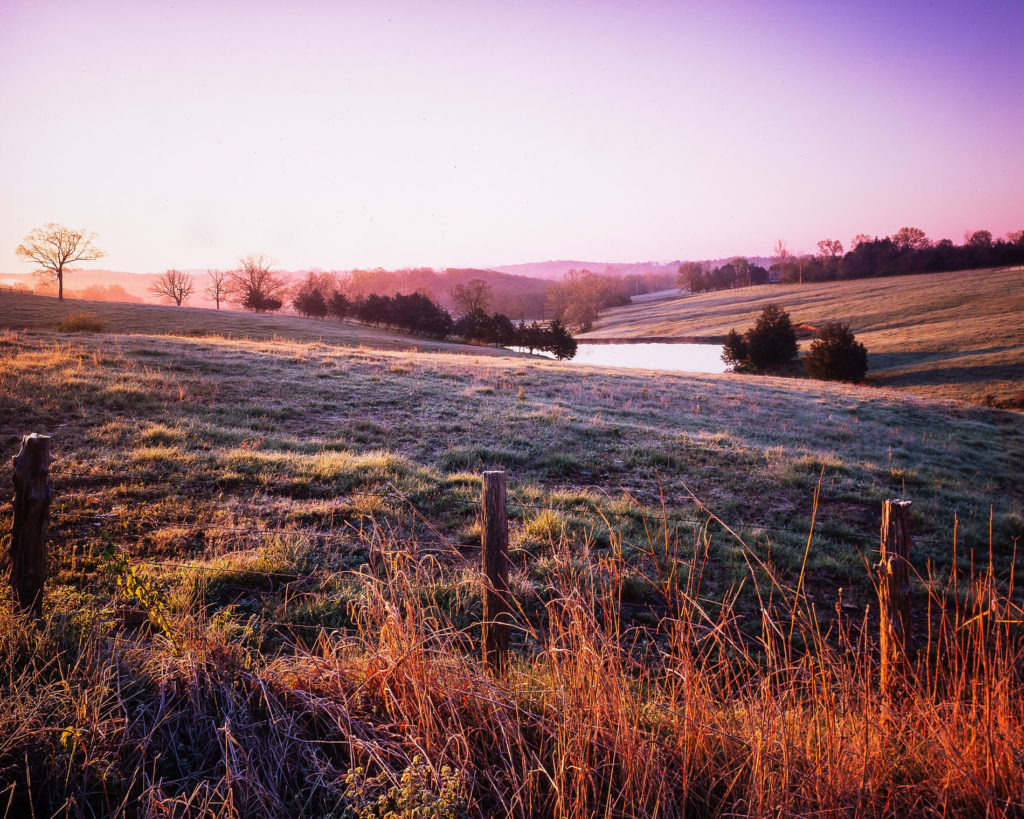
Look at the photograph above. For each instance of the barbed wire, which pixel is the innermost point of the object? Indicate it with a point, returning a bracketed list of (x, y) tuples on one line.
[(640, 514)]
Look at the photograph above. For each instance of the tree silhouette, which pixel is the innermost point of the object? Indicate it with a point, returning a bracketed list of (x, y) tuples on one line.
[(771, 342), (473, 295), (53, 247), (173, 285), (255, 286), (836, 355), (910, 238), (217, 289)]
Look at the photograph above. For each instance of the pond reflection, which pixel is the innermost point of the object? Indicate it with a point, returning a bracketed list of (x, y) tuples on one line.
[(689, 358)]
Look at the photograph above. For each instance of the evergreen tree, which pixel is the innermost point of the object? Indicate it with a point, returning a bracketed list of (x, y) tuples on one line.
[(836, 355)]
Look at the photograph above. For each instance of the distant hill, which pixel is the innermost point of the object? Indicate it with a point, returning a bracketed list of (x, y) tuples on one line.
[(554, 270)]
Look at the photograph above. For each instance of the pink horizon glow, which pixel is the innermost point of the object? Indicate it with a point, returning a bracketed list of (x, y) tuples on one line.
[(360, 134)]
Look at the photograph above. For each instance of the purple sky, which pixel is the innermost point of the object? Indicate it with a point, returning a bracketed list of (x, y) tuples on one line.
[(344, 134)]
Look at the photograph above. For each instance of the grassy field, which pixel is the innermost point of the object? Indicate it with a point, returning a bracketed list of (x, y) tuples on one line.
[(949, 335), (264, 595), (29, 312)]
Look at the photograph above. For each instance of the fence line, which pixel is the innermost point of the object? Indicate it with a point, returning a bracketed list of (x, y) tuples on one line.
[(643, 513), (31, 522), (653, 515)]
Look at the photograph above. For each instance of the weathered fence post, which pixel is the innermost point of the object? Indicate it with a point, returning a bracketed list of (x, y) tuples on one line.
[(894, 593), (495, 570), (32, 495)]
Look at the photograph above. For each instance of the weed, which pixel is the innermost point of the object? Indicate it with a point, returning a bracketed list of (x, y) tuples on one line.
[(81, 323)]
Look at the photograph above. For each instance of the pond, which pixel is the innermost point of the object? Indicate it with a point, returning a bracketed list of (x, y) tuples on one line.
[(690, 358)]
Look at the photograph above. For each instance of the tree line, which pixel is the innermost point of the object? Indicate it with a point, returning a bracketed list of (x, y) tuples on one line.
[(907, 251), (255, 286), (419, 314)]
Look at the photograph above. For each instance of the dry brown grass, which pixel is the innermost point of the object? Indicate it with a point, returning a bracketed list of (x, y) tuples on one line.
[(949, 335), (697, 719), (81, 323)]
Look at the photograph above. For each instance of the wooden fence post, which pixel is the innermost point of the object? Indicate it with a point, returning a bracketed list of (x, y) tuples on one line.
[(495, 569), (32, 495), (894, 593)]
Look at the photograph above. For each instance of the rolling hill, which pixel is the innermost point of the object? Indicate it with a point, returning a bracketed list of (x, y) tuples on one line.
[(951, 335)]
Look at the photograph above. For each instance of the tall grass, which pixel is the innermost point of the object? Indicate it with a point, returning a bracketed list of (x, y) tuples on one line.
[(700, 713)]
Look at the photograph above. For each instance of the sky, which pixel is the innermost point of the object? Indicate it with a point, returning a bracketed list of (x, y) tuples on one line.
[(350, 134)]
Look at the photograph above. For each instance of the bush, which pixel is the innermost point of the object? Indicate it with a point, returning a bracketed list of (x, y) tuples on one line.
[(769, 345), (310, 302), (339, 306), (259, 303), (734, 351), (81, 323), (836, 355), (771, 342), (560, 342)]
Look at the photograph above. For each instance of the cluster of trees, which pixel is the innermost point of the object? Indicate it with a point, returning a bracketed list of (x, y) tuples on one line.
[(517, 296), (319, 296), (497, 328), (739, 272), (770, 346), (908, 250), (254, 286), (520, 297), (582, 294)]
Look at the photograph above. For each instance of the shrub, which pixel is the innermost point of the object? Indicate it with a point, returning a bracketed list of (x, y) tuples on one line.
[(771, 342), (310, 302), (560, 342), (339, 306), (260, 303), (734, 351), (836, 355), (767, 346), (81, 323)]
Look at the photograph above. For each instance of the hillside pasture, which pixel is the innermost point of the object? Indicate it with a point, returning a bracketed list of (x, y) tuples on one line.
[(264, 595), (30, 312), (948, 335)]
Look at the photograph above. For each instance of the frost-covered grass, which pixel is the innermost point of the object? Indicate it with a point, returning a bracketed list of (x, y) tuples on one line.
[(301, 520)]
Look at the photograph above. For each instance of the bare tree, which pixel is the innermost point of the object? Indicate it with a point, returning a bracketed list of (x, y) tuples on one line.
[(255, 286), (581, 295), (173, 285), (471, 296), (782, 253), (691, 275), (53, 247), (217, 289), (859, 239)]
